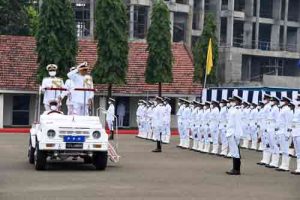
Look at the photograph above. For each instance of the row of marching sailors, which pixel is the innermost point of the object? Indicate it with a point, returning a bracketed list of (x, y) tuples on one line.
[(154, 120), (270, 125)]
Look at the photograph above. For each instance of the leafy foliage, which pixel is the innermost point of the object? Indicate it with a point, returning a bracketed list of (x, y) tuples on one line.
[(200, 51), (112, 36), (13, 18), (33, 19), (56, 37), (159, 63)]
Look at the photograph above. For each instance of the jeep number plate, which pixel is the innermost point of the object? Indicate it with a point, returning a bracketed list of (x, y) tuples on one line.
[(74, 145), (74, 139)]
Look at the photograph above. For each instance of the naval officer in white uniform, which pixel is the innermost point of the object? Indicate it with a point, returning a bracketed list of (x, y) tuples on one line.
[(51, 82), (81, 100)]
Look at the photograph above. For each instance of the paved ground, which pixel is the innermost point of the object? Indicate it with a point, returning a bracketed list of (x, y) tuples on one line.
[(174, 174)]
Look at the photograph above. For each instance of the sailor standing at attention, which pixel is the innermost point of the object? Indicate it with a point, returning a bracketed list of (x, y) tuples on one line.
[(222, 127), (233, 134), (157, 125), (81, 100), (51, 82), (296, 134), (181, 106), (213, 126), (110, 117)]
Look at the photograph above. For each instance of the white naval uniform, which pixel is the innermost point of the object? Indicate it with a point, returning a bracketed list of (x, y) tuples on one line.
[(234, 131), (80, 104), (168, 124), (206, 127), (69, 85), (180, 123), (195, 127), (200, 129), (223, 120), (284, 123), (51, 82), (139, 119), (156, 122), (186, 126), (110, 116), (245, 124), (296, 135), (149, 117), (214, 129), (253, 120)]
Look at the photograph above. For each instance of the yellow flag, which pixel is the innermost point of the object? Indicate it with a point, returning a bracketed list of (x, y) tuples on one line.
[(209, 58)]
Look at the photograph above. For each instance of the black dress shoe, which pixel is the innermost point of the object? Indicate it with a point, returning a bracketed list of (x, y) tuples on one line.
[(282, 170), (260, 163), (295, 173), (156, 150), (233, 172), (270, 166)]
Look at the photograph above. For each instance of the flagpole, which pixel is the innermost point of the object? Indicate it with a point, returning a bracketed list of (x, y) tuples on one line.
[(205, 78)]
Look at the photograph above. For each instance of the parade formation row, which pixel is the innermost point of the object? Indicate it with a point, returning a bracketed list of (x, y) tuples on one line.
[(272, 127)]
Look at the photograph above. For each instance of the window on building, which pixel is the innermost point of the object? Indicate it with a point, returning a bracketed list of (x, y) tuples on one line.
[(140, 21), (239, 5), (21, 110), (82, 18)]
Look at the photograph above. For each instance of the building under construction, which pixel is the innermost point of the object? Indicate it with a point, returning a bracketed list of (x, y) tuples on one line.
[(259, 40)]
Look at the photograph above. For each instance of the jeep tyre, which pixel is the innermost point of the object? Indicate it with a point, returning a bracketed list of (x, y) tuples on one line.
[(30, 152), (87, 160), (40, 158), (100, 160)]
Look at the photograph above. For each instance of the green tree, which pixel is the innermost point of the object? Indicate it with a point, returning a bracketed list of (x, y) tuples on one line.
[(200, 51), (159, 63), (56, 37), (112, 35), (33, 19), (13, 18)]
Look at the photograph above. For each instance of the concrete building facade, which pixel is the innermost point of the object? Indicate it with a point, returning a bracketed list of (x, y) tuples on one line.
[(257, 38)]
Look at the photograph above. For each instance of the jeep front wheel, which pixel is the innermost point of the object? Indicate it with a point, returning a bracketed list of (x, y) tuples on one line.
[(30, 152), (40, 158), (100, 160)]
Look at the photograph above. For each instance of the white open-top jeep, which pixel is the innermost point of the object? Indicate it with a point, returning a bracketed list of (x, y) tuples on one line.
[(57, 136)]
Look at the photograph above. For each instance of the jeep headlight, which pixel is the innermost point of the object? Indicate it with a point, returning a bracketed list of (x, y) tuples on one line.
[(51, 133), (96, 134)]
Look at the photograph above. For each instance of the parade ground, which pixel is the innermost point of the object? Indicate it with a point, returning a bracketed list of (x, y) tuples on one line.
[(141, 174)]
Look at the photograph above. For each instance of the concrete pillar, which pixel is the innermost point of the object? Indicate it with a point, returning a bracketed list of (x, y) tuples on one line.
[(248, 27), (131, 21), (285, 24), (1, 110), (298, 40), (257, 23), (275, 31), (202, 14), (189, 27), (230, 21), (216, 6), (172, 24), (149, 13), (92, 17), (40, 4)]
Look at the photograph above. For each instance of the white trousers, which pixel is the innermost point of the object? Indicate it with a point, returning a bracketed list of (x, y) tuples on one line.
[(296, 141), (70, 109), (80, 109), (110, 124), (234, 146), (121, 120), (158, 133), (224, 139), (284, 144), (214, 131)]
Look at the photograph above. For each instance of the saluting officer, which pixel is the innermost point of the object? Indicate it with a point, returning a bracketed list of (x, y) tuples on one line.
[(69, 85), (51, 82), (81, 100)]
